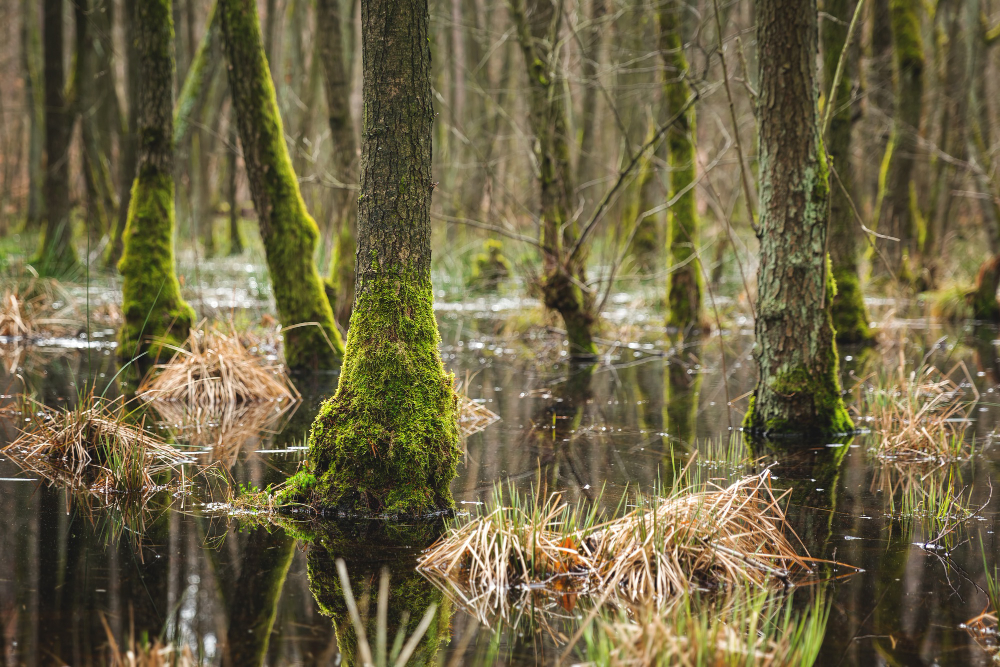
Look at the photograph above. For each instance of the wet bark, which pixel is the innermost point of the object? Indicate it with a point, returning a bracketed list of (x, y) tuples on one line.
[(337, 83), (563, 277), (151, 300), (684, 282), (850, 317), (798, 391), (387, 442), (57, 255), (288, 231)]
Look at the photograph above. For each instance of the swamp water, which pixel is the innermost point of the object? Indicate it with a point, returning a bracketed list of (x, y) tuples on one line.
[(72, 572)]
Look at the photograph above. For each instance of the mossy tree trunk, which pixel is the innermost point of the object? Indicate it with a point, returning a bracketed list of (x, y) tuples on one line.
[(685, 284), (896, 204), (983, 297), (151, 296), (387, 442), (288, 231), (337, 82), (57, 255), (798, 391), (563, 278), (850, 317)]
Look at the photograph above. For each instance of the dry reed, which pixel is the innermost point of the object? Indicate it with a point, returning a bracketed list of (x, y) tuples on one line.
[(28, 309), (918, 416), (473, 416), (216, 369), (155, 654), (93, 446), (705, 538)]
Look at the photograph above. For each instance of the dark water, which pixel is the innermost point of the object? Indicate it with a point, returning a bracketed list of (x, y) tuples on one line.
[(190, 575)]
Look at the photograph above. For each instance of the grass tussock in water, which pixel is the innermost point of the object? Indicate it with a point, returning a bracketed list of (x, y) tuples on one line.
[(218, 368), (747, 627), (99, 445), (985, 628), (918, 416), (32, 307), (657, 547)]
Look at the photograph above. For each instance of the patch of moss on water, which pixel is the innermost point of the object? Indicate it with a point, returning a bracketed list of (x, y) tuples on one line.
[(387, 442)]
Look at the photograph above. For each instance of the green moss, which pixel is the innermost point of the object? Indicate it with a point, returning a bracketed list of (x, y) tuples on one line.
[(489, 268), (387, 442), (850, 317), (566, 298), (151, 299)]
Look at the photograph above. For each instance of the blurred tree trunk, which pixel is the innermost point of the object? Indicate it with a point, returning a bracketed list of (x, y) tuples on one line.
[(850, 317), (235, 235), (57, 255), (288, 231), (337, 83), (31, 60), (589, 162), (563, 281), (151, 297), (685, 283), (200, 77), (387, 442), (128, 139), (896, 207), (798, 392)]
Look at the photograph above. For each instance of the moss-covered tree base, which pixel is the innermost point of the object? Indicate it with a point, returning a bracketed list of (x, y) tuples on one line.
[(564, 296), (152, 306), (387, 442), (983, 297), (850, 316)]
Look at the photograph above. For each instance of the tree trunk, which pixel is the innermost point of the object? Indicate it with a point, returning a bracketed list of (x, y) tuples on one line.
[(34, 92), (588, 163), (57, 255), (563, 276), (288, 231), (129, 148), (684, 283), (850, 317), (387, 442), (983, 297), (198, 81), (798, 391), (337, 82), (896, 206), (151, 295), (235, 235)]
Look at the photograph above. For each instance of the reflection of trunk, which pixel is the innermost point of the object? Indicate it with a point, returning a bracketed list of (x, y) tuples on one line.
[(896, 207), (850, 317), (288, 231), (799, 387), (684, 282), (57, 255), (388, 440), (151, 297), (563, 282), (367, 548), (680, 402), (340, 286), (252, 604)]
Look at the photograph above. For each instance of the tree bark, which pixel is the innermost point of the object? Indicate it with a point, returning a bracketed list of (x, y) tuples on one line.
[(685, 284), (537, 24), (288, 231), (151, 298), (387, 442), (850, 317), (337, 82), (798, 391), (57, 255)]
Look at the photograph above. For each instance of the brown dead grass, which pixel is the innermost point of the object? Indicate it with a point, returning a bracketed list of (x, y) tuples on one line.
[(27, 308)]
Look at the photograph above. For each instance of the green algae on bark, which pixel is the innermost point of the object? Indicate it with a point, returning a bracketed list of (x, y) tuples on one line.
[(798, 391), (151, 298), (685, 284), (288, 231), (387, 442)]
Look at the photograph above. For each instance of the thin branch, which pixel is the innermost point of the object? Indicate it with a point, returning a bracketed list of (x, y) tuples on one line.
[(487, 226)]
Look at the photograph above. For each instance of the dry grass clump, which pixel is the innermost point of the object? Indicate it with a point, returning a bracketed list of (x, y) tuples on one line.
[(918, 416), (97, 446), (217, 369), (693, 538), (747, 627), (28, 308), (147, 654), (985, 628)]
